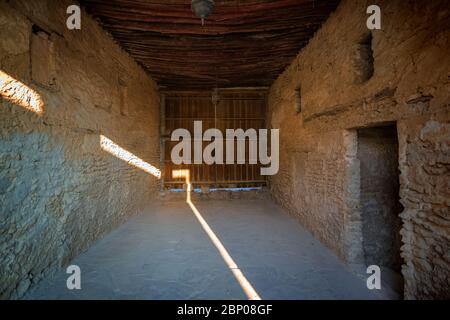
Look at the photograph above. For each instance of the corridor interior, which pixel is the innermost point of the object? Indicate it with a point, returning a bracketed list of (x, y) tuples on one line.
[(164, 253), (347, 198)]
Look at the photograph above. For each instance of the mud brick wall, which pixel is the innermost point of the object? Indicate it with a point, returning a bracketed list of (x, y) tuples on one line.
[(61, 91), (402, 78)]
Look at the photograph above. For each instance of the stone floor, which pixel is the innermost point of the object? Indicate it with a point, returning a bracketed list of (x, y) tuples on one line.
[(165, 254)]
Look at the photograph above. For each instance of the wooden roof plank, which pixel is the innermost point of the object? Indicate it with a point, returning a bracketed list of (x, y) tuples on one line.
[(243, 43)]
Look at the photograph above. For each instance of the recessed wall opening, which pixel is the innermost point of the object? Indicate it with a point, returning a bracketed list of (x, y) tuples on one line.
[(123, 92), (379, 202), (43, 63), (364, 61), (298, 100), (38, 30)]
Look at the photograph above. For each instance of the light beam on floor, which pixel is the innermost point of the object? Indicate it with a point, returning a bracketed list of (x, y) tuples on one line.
[(18, 93), (242, 280), (119, 152)]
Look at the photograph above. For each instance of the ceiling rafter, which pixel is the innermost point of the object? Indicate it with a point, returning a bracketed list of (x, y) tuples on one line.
[(243, 43)]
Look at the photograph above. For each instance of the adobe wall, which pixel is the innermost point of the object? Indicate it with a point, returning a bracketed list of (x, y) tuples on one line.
[(61, 91), (319, 177)]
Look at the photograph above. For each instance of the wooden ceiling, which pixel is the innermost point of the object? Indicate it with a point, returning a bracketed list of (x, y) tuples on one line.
[(243, 43)]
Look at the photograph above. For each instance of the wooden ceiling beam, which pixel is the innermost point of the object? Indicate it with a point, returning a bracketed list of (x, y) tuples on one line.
[(243, 43)]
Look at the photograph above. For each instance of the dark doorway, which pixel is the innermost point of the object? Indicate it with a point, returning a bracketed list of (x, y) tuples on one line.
[(380, 206)]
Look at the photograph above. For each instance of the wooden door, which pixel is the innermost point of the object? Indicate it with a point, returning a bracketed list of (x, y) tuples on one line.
[(233, 109)]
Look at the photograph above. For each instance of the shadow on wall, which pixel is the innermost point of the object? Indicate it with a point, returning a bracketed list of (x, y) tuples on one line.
[(18, 93), (59, 189)]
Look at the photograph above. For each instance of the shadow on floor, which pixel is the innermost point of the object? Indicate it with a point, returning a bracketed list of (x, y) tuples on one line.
[(165, 254)]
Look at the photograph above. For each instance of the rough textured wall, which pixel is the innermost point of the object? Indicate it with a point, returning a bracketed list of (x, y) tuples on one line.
[(407, 82), (61, 90)]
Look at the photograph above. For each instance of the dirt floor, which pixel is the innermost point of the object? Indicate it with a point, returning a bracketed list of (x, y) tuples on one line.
[(165, 253)]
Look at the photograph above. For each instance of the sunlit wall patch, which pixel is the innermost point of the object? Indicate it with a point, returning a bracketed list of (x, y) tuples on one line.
[(119, 152), (20, 94)]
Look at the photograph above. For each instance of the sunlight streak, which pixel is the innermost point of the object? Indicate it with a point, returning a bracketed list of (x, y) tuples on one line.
[(119, 152), (244, 283), (20, 94)]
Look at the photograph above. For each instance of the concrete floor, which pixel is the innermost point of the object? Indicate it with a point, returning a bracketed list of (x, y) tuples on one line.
[(165, 254)]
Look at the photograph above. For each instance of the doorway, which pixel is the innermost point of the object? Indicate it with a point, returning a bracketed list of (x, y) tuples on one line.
[(223, 109), (379, 202)]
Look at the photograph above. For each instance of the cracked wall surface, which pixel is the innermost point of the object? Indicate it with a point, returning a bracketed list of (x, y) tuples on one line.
[(318, 181), (61, 89)]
